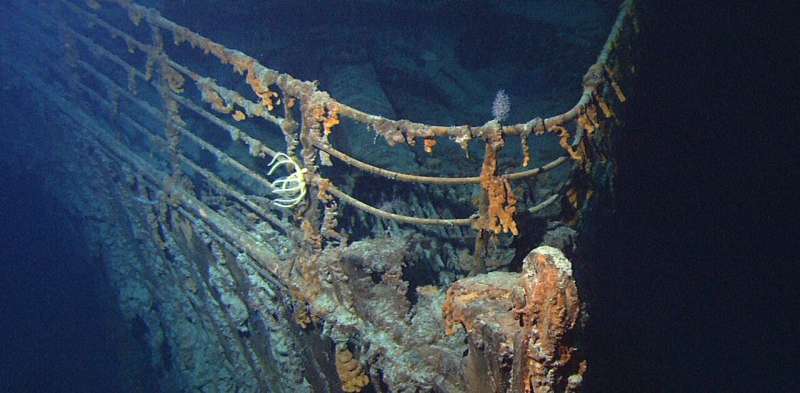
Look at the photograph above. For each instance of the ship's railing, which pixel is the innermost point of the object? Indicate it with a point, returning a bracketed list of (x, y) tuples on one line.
[(307, 116)]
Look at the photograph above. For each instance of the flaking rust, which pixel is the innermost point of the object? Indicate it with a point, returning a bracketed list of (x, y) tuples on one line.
[(522, 328)]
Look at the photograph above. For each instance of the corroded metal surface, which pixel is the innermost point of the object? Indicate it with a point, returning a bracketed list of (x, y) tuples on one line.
[(523, 328), (279, 292)]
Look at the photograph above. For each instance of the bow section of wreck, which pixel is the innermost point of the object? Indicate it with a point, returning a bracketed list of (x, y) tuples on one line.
[(259, 264)]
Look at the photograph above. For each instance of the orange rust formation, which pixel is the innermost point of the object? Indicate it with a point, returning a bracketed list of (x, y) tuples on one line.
[(239, 116), (328, 115), (212, 97), (350, 372), (259, 83), (471, 302), (501, 204), (549, 311), (526, 150), (522, 327), (430, 143)]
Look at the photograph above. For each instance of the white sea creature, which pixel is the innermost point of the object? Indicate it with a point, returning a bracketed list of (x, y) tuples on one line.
[(501, 106), (290, 189)]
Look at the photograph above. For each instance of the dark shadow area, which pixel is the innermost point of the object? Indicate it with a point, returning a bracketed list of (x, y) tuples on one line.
[(692, 285), (55, 334), (60, 329)]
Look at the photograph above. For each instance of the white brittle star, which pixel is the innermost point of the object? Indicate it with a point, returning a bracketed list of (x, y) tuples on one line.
[(290, 189)]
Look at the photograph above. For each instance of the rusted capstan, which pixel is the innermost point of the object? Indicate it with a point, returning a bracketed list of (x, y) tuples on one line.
[(522, 328)]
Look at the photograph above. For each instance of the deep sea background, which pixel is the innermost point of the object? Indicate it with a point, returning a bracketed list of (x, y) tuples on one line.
[(60, 329), (698, 293), (56, 335)]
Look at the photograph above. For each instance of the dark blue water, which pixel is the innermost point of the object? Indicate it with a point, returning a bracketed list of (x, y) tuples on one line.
[(58, 315), (55, 335), (699, 289)]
